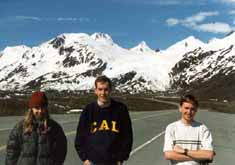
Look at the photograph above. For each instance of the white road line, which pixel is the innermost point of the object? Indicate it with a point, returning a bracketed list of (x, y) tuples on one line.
[(70, 133), (66, 122), (146, 143), (2, 147), (5, 129)]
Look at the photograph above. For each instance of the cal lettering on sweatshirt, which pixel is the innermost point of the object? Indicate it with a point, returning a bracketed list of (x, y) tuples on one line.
[(104, 126)]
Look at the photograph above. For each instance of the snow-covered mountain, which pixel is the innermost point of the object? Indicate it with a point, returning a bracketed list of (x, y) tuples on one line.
[(207, 68), (142, 47), (175, 53), (72, 61)]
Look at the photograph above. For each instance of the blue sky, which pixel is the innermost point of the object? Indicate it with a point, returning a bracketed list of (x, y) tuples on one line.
[(160, 23)]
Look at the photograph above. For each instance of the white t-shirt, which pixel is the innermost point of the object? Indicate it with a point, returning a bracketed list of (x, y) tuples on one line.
[(193, 137)]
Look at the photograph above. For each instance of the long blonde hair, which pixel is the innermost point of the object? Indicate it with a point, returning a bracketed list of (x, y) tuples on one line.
[(28, 120)]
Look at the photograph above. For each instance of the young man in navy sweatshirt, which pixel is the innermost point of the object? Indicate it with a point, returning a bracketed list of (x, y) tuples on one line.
[(104, 133)]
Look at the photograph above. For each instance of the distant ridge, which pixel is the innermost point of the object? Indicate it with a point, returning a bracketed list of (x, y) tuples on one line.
[(72, 61)]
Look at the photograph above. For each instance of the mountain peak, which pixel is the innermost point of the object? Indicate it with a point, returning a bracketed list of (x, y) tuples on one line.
[(67, 38), (186, 43), (143, 44), (191, 39), (141, 47), (101, 36)]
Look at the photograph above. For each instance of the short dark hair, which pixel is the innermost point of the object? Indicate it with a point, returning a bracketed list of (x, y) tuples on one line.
[(103, 79), (189, 98)]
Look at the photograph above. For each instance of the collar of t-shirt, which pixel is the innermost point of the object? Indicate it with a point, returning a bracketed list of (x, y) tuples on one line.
[(193, 123)]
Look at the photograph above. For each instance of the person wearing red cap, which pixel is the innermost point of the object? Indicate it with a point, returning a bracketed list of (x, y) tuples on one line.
[(37, 139)]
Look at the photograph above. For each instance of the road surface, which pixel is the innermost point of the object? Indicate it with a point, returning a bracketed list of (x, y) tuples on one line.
[(148, 135)]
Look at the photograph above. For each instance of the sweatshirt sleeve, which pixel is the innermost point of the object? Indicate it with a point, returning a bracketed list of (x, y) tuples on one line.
[(126, 136), (60, 146), (81, 136), (13, 146)]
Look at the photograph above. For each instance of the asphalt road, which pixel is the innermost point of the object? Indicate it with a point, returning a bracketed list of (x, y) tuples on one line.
[(148, 135)]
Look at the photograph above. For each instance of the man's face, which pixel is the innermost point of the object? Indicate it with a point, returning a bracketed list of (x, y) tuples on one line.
[(39, 112), (103, 91), (188, 111)]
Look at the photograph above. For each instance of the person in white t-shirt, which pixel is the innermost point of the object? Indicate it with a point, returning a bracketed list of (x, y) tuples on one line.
[(188, 142)]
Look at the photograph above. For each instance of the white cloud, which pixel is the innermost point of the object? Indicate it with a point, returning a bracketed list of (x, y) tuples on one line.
[(84, 19), (72, 19), (172, 21), (28, 18), (217, 27), (66, 19), (162, 2), (194, 20), (231, 12), (199, 17), (81, 19), (152, 2), (227, 1)]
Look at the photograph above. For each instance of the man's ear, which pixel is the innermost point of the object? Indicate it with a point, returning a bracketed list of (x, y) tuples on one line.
[(95, 91), (180, 108)]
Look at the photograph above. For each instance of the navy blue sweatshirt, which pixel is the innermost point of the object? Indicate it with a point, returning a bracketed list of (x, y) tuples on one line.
[(104, 135)]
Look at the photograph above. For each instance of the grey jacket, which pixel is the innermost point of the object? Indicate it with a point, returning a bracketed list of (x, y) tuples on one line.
[(47, 147)]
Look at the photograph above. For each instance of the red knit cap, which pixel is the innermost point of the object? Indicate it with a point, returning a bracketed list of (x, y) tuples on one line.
[(38, 99)]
